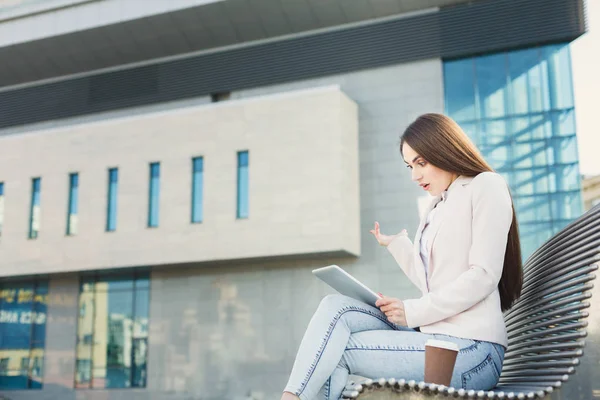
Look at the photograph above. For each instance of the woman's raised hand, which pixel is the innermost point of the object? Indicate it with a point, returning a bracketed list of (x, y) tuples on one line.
[(382, 239)]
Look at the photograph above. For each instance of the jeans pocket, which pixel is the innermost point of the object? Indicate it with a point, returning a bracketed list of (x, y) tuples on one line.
[(484, 376)]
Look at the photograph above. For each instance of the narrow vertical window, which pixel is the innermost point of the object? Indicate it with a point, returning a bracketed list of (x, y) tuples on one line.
[(197, 188), (153, 195), (242, 185), (1, 206), (111, 209), (34, 210), (73, 204)]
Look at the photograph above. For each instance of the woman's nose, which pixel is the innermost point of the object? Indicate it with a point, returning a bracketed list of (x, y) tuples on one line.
[(415, 175)]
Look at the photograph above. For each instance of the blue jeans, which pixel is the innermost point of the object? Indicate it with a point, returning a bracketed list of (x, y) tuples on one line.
[(346, 336)]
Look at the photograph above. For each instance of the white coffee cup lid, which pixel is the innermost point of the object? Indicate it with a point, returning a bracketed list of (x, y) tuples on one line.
[(442, 344)]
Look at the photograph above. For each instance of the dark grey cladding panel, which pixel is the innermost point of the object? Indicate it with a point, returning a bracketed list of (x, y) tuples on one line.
[(507, 24), (458, 31)]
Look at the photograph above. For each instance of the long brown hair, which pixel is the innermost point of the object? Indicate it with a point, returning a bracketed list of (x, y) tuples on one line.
[(442, 142)]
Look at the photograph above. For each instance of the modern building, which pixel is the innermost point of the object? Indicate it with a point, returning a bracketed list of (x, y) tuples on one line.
[(172, 171)]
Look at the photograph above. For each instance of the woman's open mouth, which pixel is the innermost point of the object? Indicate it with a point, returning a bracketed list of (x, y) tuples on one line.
[(426, 186)]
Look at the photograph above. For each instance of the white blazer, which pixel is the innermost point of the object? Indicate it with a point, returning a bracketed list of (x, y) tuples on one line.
[(469, 235)]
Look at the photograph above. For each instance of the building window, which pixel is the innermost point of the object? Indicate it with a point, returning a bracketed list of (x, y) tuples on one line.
[(24, 366), (220, 96), (22, 334), (197, 188), (153, 195), (112, 331), (242, 185), (1, 207), (518, 108), (34, 210), (73, 204), (111, 208), (4, 366)]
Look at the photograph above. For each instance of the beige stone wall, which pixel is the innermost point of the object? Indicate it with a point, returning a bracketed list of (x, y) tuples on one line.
[(591, 192), (303, 196)]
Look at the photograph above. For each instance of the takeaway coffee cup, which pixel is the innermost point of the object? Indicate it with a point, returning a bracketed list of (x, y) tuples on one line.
[(440, 357)]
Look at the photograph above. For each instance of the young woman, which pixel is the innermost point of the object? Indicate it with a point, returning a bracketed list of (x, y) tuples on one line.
[(466, 260)]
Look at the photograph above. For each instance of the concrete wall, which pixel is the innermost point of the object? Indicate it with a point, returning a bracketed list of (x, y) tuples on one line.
[(229, 331), (38, 20), (303, 195), (591, 192)]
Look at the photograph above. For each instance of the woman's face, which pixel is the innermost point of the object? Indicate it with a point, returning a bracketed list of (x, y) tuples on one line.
[(432, 179)]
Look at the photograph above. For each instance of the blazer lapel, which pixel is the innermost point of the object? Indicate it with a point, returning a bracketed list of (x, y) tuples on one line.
[(438, 220), (433, 229), (420, 267)]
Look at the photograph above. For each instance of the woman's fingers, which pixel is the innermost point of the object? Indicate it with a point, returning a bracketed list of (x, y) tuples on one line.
[(375, 230), (390, 305), (390, 308), (383, 301)]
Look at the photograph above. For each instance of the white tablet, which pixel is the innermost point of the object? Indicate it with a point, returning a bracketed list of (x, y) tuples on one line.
[(346, 284)]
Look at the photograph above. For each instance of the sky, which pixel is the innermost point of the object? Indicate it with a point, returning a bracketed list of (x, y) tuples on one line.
[(585, 59)]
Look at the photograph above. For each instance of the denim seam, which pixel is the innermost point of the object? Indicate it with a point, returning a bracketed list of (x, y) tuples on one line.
[(388, 348), (325, 340), (477, 369), (397, 349), (500, 356)]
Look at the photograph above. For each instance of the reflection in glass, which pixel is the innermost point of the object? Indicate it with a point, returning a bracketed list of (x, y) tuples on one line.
[(73, 204), (34, 209), (112, 333), (111, 206), (154, 195), (242, 185), (22, 334), (518, 108), (490, 72), (197, 188), (84, 338), (459, 84)]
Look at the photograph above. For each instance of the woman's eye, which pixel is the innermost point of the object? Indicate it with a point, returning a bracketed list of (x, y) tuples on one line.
[(422, 163), (409, 167)]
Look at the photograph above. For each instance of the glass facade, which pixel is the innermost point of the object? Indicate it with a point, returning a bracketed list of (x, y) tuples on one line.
[(518, 108), (153, 195), (112, 331), (197, 189), (111, 207), (34, 209), (22, 334), (73, 204), (242, 185)]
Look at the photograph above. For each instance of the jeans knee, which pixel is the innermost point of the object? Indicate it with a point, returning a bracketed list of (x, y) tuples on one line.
[(334, 301)]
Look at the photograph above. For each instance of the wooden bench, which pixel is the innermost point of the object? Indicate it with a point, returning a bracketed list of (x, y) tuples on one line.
[(546, 326)]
